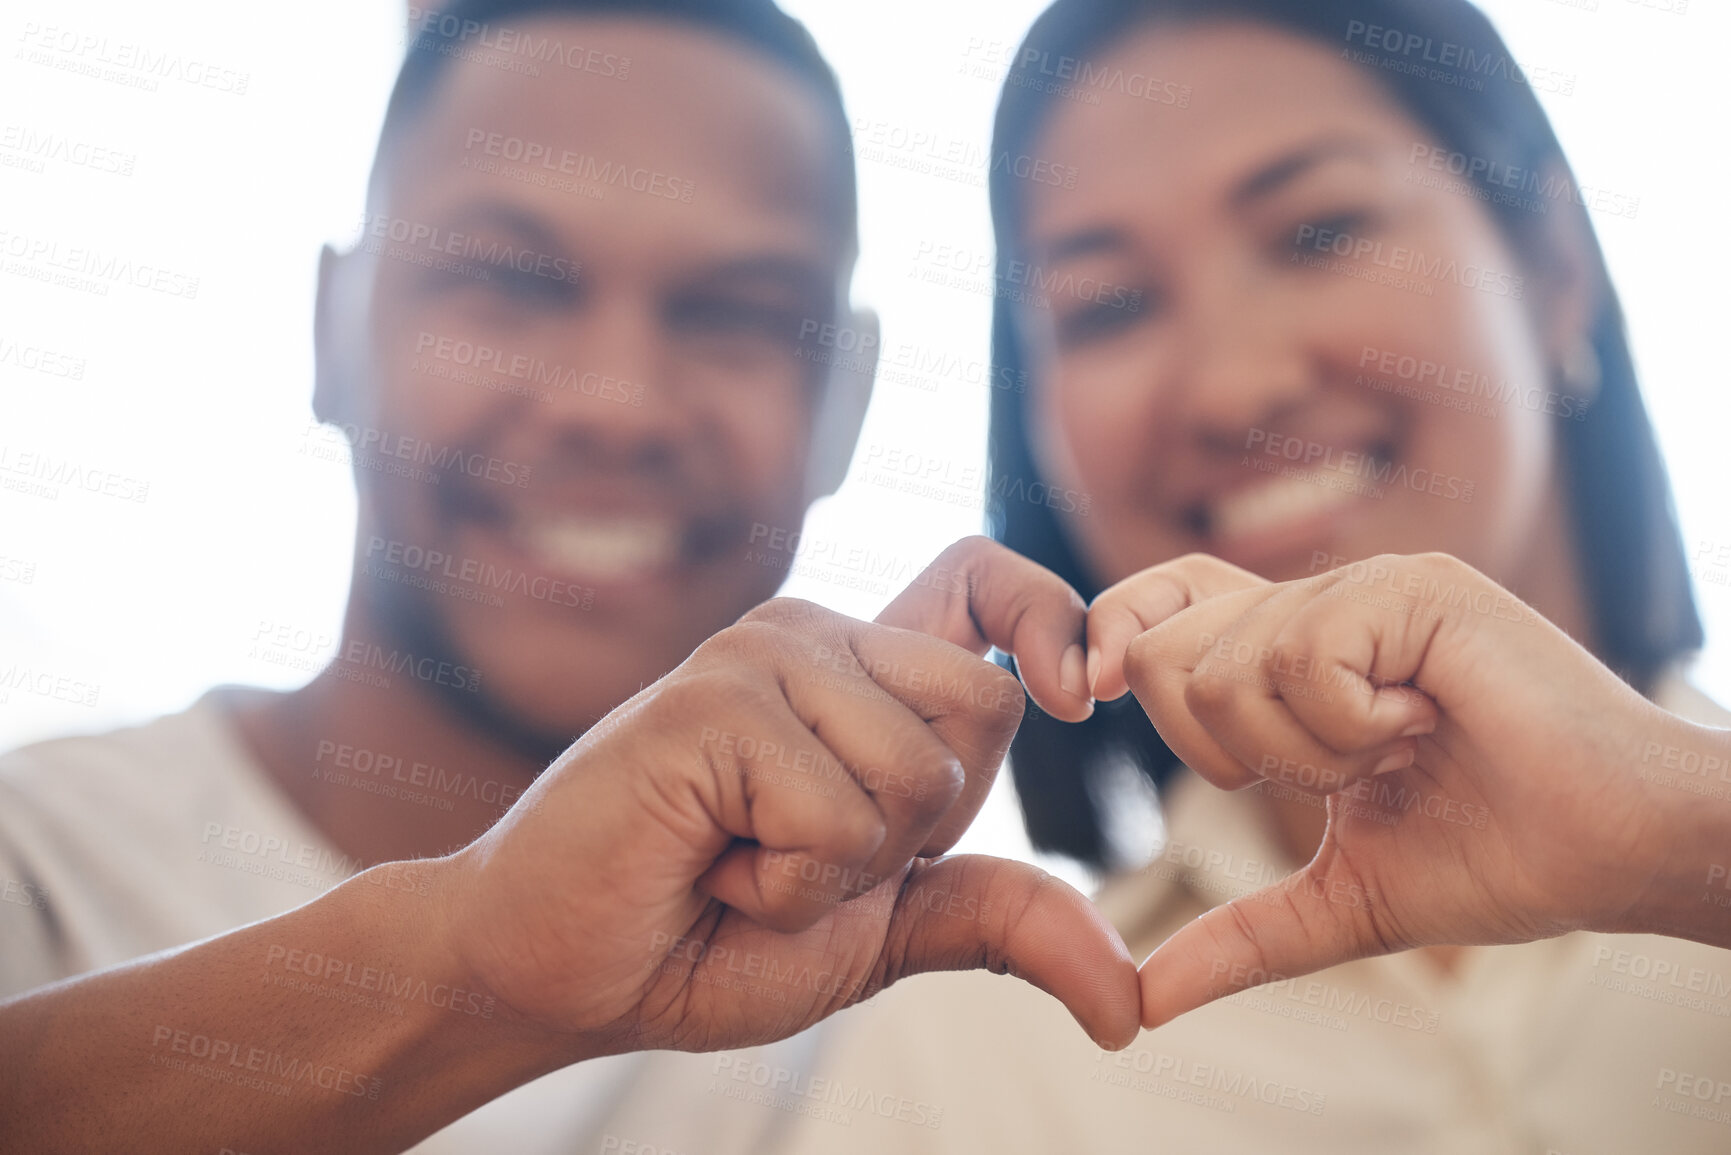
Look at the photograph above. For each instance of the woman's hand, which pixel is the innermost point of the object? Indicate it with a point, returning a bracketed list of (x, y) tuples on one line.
[(1487, 779)]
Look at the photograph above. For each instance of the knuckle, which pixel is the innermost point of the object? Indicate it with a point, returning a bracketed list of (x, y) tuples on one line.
[(1443, 563), (1248, 936), (974, 547), (1165, 642), (938, 781), (745, 636), (687, 694), (1144, 659), (988, 701), (786, 913), (790, 612), (1290, 653), (721, 698), (1108, 601), (778, 627), (855, 834), (999, 704), (1192, 561), (1140, 659), (1208, 696), (1207, 566)]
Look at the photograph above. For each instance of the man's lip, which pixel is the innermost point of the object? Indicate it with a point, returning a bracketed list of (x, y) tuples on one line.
[(600, 550), (610, 550)]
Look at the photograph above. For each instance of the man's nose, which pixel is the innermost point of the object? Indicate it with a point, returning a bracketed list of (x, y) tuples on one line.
[(613, 392)]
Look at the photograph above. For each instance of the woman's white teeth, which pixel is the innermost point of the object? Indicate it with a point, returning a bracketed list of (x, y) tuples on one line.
[(602, 548), (1259, 508)]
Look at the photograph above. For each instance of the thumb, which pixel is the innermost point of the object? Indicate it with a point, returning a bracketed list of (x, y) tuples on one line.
[(973, 911), (1145, 600), (1306, 923), (978, 594)]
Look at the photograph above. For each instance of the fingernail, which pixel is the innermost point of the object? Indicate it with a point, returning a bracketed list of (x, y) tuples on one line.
[(1073, 671), (1093, 670), (1419, 729), (1399, 760)]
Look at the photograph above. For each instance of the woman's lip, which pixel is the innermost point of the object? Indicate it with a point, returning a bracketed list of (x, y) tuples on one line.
[(1270, 521)]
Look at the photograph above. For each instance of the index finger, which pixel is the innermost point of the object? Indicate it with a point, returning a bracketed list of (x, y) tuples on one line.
[(1144, 600), (979, 593)]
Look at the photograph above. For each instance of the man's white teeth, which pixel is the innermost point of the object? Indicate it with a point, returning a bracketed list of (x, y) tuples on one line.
[(602, 548), (1257, 509)]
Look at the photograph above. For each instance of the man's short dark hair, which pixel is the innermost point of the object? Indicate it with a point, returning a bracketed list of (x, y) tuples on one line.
[(445, 33)]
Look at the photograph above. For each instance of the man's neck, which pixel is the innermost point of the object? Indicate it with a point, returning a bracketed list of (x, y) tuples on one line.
[(385, 773)]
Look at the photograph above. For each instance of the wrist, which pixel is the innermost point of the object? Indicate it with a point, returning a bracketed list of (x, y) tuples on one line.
[(446, 1035), (1685, 773)]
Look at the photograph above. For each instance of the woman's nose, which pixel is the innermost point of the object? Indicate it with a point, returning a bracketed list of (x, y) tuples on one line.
[(1241, 362)]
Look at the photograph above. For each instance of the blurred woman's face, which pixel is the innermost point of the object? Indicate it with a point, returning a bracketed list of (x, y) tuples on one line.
[(1299, 283)]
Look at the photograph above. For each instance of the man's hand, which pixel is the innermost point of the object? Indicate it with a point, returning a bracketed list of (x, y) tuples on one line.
[(1481, 768), (739, 850), (726, 859)]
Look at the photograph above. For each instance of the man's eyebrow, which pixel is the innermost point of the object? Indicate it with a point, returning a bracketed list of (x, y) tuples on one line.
[(1290, 167), (776, 270), (509, 217)]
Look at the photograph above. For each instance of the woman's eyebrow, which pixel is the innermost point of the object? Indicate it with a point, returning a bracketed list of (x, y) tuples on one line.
[(1086, 242), (1271, 177), (1264, 182)]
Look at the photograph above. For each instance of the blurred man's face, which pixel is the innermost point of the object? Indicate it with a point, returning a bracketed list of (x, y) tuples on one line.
[(590, 336)]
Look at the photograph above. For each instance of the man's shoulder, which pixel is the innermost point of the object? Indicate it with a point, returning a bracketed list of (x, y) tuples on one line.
[(138, 768), (142, 838)]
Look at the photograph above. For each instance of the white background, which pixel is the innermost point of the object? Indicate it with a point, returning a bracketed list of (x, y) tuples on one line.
[(208, 399)]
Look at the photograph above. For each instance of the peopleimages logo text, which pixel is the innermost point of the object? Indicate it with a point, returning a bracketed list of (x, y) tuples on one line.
[(1400, 259), (1465, 61), (377, 227)]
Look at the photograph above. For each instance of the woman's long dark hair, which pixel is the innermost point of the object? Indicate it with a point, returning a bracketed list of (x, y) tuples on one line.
[(1631, 551)]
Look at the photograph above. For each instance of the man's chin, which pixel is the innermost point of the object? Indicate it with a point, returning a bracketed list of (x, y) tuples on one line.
[(543, 704), (563, 703), (539, 739), (545, 679)]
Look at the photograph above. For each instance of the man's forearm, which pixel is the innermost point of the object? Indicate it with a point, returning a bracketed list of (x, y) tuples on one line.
[(345, 1025)]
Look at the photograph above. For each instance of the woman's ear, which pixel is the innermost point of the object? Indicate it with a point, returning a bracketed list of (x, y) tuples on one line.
[(1569, 284), (841, 406), (334, 399)]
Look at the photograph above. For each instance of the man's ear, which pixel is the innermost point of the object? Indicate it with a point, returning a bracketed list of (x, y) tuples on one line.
[(333, 356), (841, 407)]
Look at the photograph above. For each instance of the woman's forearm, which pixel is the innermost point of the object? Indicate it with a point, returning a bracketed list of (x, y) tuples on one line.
[(1688, 769)]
